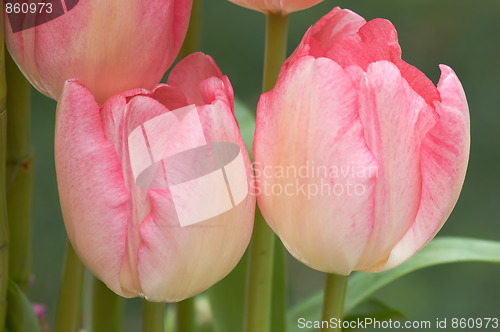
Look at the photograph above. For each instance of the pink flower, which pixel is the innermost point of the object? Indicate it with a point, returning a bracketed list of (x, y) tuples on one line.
[(360, 159), (283, 7), (111, 46), (41, 313), (140, 235)]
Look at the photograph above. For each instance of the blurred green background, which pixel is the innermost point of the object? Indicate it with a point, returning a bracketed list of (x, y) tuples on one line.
[(464, 34)]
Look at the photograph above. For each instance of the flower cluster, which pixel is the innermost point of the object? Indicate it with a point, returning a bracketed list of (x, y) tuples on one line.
[(359, 157)]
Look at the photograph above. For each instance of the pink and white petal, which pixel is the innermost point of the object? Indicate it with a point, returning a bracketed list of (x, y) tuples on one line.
[(118, 119), (180, 23), (138, 110), (328, 30), (73, 45), (94, 200), (283, 7), (290, 6), (395, 119), (337, 24), (444, 155), (190, 73), (375, 41), (171, 97), (169, 252), (310, 121)]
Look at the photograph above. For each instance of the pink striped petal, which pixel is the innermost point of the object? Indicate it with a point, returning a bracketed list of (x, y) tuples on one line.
[(104, 44), (183, 256), (94, 200), (283, 7), (192, 74), (395, 120), (338, 23), (322, 134), (376, 40), (444, 156)]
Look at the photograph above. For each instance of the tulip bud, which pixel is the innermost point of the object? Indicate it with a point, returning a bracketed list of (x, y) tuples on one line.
[(111, 46), (360, 159), (283, 7), (155, 186)]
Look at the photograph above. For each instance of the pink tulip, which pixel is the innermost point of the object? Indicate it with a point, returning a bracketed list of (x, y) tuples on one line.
[(283, 7), (111, 46), (129, 235), (360, 159)]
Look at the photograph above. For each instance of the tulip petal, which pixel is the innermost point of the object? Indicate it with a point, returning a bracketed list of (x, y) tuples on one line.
[(314, 172), (395, 119), (171, 97), (190, 73), (94, 200), (181, 16), (375, 41), (335, 25), (444, 153), (119, 119), (290, 6), (283, 7), (104, 44), (183, 256)]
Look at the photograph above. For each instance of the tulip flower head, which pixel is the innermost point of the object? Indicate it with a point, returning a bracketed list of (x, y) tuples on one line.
[(283, 7), (155, 185), (110, 46), (360, 158)]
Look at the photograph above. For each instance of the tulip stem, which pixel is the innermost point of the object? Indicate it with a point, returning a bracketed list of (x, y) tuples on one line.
[(153, 316), (260, 276), (69, 308), (276, 43), (106, 308), (186, 315), (19, 174), (261, 252), (4, 224), (334, 298)]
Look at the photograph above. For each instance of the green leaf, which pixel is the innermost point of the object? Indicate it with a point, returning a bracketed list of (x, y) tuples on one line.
[(20, 314), (375, 309), (246, 121), (442, 250)]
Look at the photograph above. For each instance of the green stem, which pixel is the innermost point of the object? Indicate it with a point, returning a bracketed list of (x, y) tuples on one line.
[(69, 308), (106, 308), (186, 315), (192, 41), (276, 42), (279, 294), (153, 316), (333, 305), (19, 176), (261, 252), (4, 223), (259, 278)]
